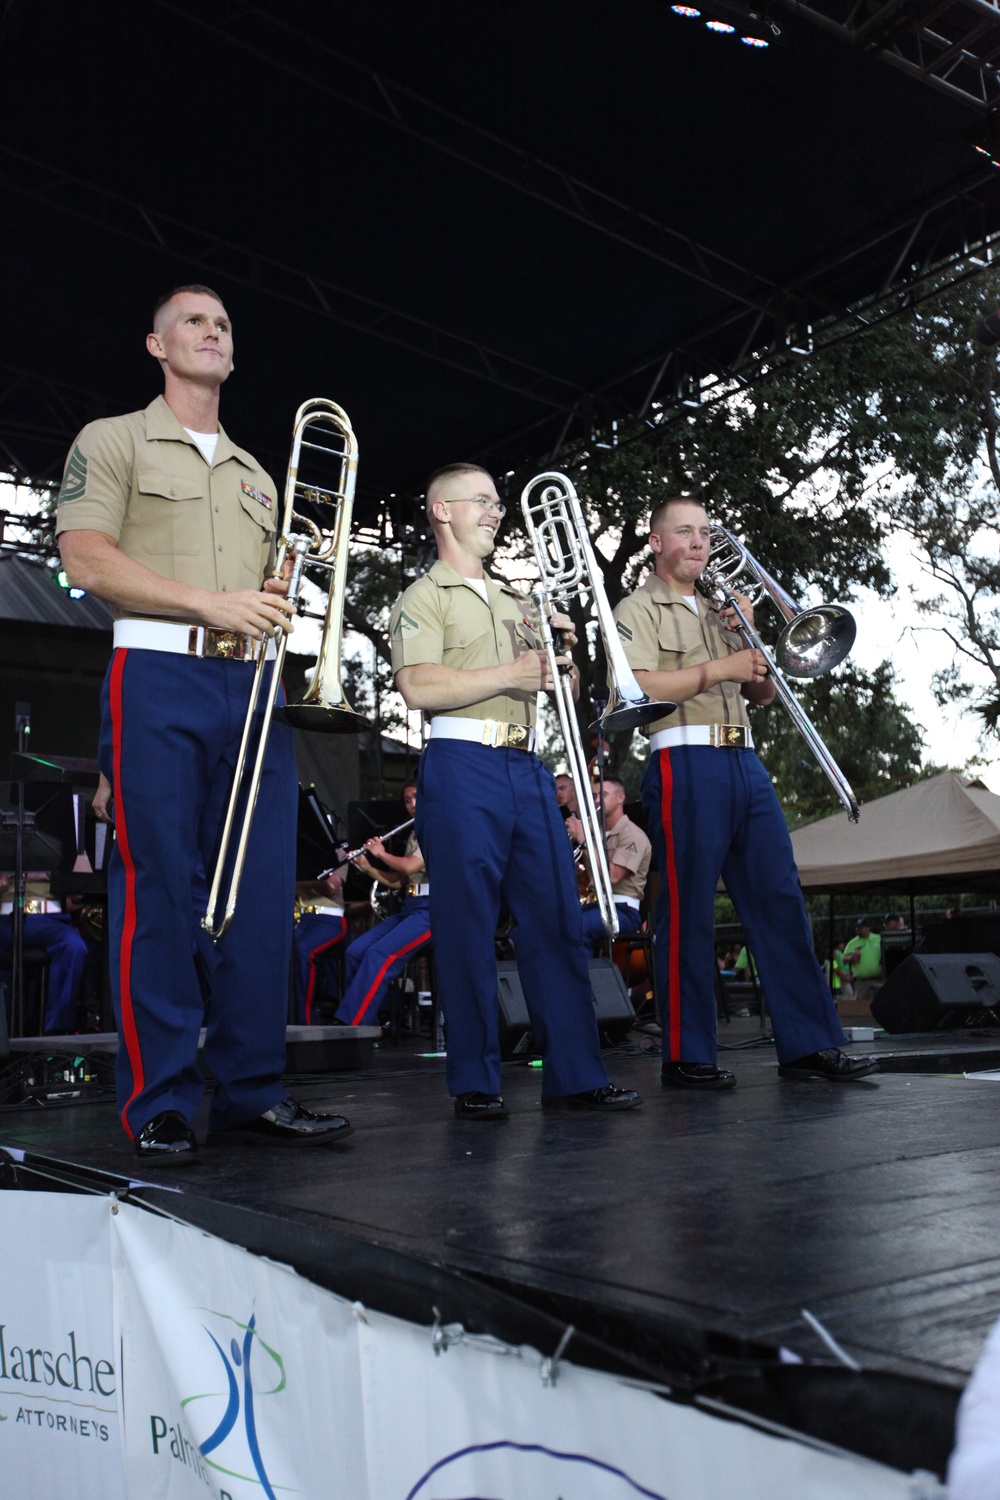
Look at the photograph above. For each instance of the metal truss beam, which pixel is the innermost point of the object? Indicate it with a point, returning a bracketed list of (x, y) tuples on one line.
[(952, 45), (278, 41), (945, 237), (317, 294)]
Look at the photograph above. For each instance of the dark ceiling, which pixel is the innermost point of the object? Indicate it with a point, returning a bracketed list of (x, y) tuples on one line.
[(477, 227)]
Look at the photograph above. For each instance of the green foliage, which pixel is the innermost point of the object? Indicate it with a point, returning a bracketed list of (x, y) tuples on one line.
[(867, 730)]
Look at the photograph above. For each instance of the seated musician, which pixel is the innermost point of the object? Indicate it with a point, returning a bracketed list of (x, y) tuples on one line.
[(375, 959), (629, 852), (46, 926), (317, 939)]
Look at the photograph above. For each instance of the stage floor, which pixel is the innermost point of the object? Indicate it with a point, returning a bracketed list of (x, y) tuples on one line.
[(873, 1205)]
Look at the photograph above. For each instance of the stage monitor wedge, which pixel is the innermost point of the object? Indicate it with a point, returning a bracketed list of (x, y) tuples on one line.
[(940, 992), (613, 1008)]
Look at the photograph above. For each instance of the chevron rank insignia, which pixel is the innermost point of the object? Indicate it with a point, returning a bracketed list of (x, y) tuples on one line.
[(405, 625), (623, 631), (74, 484)]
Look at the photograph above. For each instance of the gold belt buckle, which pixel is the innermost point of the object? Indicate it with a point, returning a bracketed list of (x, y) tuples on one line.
[(732, 735), (228, 645), (517, 737)]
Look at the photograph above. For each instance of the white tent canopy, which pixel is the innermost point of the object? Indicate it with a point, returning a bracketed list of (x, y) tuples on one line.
[(941, 835)]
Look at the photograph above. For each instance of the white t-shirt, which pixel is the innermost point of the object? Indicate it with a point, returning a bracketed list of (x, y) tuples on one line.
[(207, 443)]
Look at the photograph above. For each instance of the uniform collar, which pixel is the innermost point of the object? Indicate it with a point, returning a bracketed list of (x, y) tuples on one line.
[(162, 424), (447, 577), (662, 592)]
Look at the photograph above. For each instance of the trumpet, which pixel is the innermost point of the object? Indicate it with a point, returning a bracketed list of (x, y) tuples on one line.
[(324, 706), (813, 641)]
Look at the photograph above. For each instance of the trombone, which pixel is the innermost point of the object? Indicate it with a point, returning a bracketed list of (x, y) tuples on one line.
[(567, 567), (813, 641), (324, 705), (554, 521)]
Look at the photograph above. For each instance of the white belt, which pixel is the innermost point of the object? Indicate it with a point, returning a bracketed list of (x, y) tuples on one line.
[(415, 888), (492, 732), (34, 906), (188, 640), (730, 736), (627, 901)]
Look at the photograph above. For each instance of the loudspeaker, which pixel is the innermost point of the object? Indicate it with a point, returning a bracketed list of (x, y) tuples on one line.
[(615, 1012), (940, 992)]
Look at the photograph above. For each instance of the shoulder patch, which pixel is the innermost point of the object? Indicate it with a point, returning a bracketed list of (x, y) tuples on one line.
[(405, 626), (623, 631), (74, 484)]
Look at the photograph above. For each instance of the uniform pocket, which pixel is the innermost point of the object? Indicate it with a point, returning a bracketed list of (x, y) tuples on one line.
[(167, 513), (257, 528)]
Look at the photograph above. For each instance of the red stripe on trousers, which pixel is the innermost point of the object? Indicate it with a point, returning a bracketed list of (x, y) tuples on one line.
[(356, 1021), (130, 1035), (311, 986), (670, 872)]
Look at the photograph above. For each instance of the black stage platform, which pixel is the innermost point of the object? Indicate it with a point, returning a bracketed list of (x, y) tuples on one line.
[(873, 1206)]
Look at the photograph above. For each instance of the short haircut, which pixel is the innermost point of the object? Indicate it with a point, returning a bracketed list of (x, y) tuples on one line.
[(659, 514), (609, 781), (191, 286), (408, 784), (446, 472)]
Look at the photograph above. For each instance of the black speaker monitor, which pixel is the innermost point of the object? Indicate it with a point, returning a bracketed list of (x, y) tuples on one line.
[(940, 992), (614, 1009)]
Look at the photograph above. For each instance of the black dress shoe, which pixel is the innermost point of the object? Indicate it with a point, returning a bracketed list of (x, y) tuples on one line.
[(685, 1075), (480, 1107), (830, 1063), (288, 1123), (167, 1140), (607, 1100)]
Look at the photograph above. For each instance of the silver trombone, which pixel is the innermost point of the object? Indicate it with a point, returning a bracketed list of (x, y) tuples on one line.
[(813, 641), (593, 833), (555, 523), (324, 705)]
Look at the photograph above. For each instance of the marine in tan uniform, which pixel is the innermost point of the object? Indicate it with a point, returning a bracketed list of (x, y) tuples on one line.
[(464, 651), (629, 853), (164, 518), (711, 810)]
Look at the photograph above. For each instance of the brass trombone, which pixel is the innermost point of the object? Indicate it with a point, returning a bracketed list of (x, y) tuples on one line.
[(323, 706), (813, 641)]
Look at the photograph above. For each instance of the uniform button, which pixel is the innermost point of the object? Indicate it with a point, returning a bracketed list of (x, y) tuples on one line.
[(216, 510), (220, 546)]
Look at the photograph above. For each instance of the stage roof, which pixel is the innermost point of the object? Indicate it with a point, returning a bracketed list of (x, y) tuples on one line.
[(480, 228)]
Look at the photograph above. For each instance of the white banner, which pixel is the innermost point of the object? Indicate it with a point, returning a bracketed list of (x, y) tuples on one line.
[(59, 1387), (142, 1358), (241, 1379)]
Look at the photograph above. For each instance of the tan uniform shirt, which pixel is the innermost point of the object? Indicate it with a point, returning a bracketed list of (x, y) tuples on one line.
[(629, 847), (443, 619), (660, 633), (419, 877), (143, 481)]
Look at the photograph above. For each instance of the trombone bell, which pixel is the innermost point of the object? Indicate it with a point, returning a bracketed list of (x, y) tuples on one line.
[(816, 641)]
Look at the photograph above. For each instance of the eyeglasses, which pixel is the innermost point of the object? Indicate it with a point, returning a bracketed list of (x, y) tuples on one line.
[(485, 503)]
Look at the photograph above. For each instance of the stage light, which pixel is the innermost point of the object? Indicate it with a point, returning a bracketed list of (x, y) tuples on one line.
[(722, 27), (687, 11), (62, 579), (754, 41)]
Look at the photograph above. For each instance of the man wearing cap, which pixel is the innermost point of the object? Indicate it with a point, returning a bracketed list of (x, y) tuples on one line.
[(628, 853), (162, 516), (464, 651), (711, 810), (863, 956)]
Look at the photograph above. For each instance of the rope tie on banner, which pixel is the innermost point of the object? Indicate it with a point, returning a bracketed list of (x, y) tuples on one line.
[(550, 1366)]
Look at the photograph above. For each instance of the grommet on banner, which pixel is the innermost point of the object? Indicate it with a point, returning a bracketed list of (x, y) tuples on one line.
[(114, 1202), (360, 1311), (549, 1369)]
